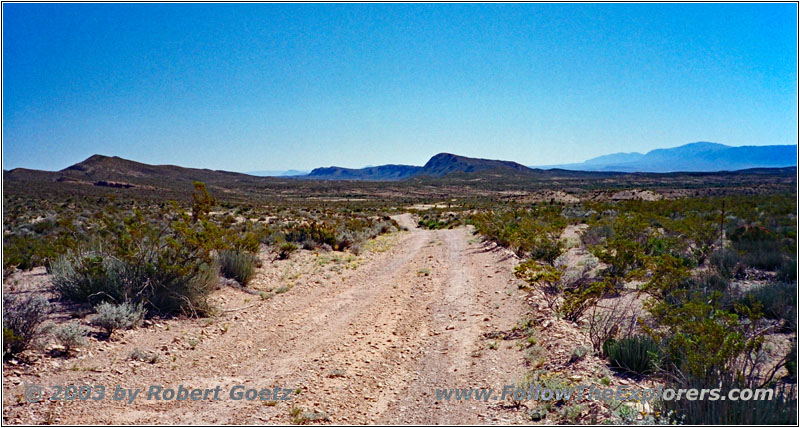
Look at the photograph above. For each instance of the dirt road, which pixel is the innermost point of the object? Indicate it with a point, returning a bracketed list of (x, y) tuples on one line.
[(368, 345)]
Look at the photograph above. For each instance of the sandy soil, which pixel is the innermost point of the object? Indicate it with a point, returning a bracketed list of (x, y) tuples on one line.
[(363, 340)]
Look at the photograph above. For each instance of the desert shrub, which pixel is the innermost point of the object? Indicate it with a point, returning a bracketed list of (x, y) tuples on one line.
[(788, 271), (569, 291), (759, 247), (725, 262), (543, 278), (780, 410), (577, 354), (624, 253), (709, 282), (164, 263), (436, 220), (595, 235), (25, 252), (202, 202), (701, 338), (580, 289), (186, 292), (637, 354), (532, 232), (618, 317), (791, 363), (270, 236), (117, 317), (766, 259), (345, 239), (93, 277), (22, 322), (238, 265), (318, 233), (578, 300), (667, 274), (542, 247), (90, 275), (775, 301), (146, 357), (285, 249), (71, 336)]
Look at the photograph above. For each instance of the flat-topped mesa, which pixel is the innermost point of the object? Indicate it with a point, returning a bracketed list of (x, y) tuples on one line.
[(438, 166), (446, 163)]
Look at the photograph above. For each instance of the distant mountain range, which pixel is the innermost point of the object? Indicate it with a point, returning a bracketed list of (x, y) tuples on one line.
[(113, 171), (693, 157), (287, 173)]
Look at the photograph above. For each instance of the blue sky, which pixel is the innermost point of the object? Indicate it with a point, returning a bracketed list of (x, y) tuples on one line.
[(265, 87)]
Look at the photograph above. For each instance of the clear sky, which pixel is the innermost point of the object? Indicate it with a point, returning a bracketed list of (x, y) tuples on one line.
[(265, 87)]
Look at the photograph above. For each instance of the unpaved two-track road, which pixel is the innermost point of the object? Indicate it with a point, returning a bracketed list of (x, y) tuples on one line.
[(369, 346)]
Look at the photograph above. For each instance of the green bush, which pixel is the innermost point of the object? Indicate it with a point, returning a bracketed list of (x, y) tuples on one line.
[(701, 337), (532, 232), (318, 233), (95, 277), (725, 261), (636, 354), (25, 252), (163, 263), (92, 276), (22, 321), (788, 271), (596, 235), (780, 410), (238, 265), (435, 220), (285, 249), (791, 362), (118, 317), (760, 248), (776, 301)]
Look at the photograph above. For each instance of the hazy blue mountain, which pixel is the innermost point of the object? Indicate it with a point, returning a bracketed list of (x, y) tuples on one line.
[(276, 173), (615, 158), (376, 173), (693, 157)]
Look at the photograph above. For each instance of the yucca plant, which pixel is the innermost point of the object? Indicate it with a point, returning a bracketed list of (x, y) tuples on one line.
[(636, 354)]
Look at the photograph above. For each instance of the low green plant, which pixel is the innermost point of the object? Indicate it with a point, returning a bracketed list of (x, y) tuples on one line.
[(791, 363), (577, 354), (781, 409), (71, 336), (725, 261), (776, 301), (637, 354), (121, 316), (147, 357), (238, 265), (167, 267), (285, 249)]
